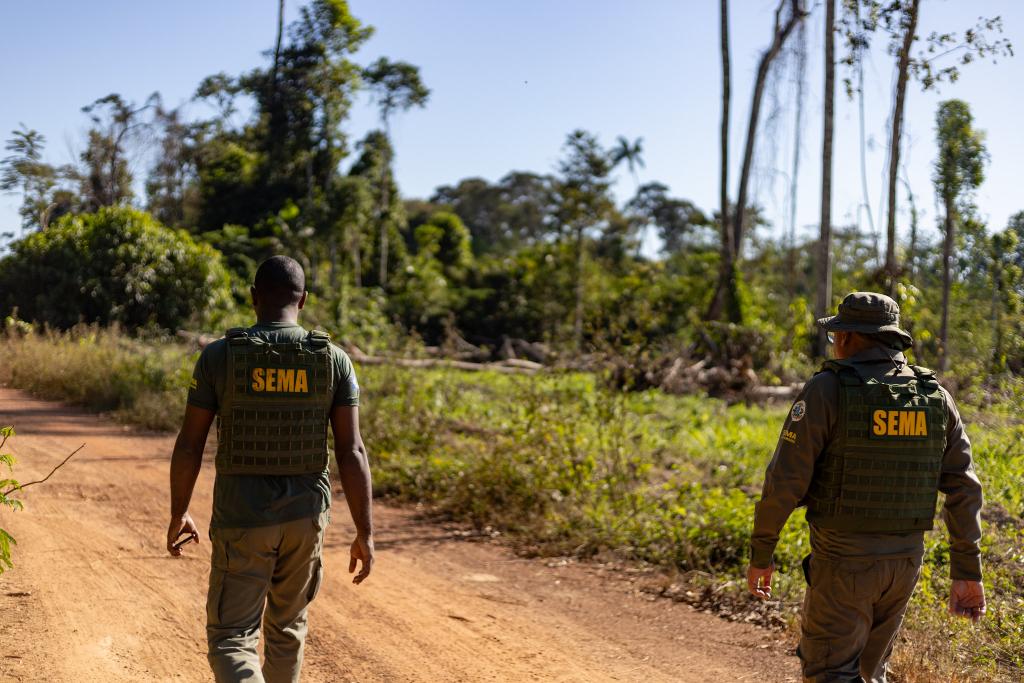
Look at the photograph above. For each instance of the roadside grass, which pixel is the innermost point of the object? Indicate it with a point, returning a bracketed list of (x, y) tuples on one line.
[(562, 466)]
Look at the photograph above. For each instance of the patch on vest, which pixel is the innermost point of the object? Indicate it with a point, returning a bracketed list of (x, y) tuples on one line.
[(899, 423), (798, 411), (279, 380)]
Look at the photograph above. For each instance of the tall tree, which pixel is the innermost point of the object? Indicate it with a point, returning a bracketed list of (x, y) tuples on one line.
[(726, 292), (353, 206), (24, 171), (824, 261), (374, 166), (632, 154), (397, 87), (171, 187), (898, 19), (1006, 298), (277, 42), (585, 205), (787, 15), (800, 53), (517, 211), (959, 170), (677, 221), (856, 27), (107, 178), (908, 22)]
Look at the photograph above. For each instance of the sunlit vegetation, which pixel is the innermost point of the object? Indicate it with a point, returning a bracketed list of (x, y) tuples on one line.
[(564, 465)]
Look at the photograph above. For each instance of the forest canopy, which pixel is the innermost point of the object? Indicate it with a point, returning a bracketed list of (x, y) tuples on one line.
[(552, 257)]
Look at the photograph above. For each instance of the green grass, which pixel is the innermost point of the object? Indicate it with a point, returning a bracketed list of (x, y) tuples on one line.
[(563, 466)]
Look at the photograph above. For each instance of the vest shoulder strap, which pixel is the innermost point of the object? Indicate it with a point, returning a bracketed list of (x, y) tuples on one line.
[(923, 373), (846, 371), (318, 339), (239, 336)]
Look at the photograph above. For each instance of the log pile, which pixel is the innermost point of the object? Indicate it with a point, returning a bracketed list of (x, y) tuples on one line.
[(734, 381)]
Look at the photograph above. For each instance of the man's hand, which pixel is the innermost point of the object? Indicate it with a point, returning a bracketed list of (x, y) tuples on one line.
[(759, 581), (967, 599), (176, 531), (362, 551)]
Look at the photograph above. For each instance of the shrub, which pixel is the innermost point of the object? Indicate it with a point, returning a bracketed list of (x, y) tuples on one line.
[(117, 265), (7, 485)]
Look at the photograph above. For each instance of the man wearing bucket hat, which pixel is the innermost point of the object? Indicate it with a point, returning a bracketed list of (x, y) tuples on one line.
[(867, 446)]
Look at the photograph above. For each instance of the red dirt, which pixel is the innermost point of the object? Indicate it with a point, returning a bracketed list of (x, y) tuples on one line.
[(95, 597)]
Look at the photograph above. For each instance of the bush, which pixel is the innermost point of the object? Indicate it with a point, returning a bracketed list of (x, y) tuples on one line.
[(117, 265)]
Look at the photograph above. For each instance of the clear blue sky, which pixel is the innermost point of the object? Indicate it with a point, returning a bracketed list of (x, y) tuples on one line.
[(511, 79)]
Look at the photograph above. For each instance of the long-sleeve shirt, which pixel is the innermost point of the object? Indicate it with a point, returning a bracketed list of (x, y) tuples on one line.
[(809, 428)]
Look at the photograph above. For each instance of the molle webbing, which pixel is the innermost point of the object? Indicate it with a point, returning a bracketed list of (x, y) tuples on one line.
[(276, 406), (881, 471)]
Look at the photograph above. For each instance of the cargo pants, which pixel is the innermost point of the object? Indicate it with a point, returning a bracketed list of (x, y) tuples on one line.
[(266, 574), (853, 610)]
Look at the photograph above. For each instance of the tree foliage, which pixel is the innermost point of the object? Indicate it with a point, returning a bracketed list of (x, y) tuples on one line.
[(561, 256), (7, 484), (117, 265)]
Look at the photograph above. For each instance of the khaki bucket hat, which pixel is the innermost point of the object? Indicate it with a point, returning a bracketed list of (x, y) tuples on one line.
[(869, 313)]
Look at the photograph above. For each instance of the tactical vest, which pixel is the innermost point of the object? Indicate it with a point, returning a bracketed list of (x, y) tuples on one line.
[(276, 405), (881, 471)]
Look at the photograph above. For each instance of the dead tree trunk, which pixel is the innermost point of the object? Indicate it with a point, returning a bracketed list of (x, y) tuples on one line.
[(782, 30), (825, 227), (723, 290), (903, 67), (947, 280), (577, 318)]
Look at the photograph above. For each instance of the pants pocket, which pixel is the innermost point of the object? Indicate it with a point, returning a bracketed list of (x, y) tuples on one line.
[(214, 595), (317, 579)]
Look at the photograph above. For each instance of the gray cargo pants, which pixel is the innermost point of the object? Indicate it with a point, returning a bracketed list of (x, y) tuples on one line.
[(267, 574), (853, 610)]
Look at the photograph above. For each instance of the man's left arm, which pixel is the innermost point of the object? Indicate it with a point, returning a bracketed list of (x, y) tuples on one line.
[(962, 514), (186, 460)]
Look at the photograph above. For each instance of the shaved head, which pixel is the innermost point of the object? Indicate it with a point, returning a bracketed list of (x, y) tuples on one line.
[(279, 282)]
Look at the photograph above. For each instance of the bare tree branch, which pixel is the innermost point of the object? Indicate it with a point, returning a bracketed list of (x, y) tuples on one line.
[(20, 487)]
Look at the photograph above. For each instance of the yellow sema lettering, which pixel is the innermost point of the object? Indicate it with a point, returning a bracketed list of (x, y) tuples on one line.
[(280, 380), (900, 423)]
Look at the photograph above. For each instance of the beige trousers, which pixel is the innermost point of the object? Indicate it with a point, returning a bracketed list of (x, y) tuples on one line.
[(267, 574), (853, 610)]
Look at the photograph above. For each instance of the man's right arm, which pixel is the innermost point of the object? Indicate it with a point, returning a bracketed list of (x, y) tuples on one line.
[(186, 459), (354, 470), (804, 436)]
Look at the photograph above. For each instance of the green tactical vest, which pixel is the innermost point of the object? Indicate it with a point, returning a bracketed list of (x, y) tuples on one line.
[(881, 471), (277, 399)]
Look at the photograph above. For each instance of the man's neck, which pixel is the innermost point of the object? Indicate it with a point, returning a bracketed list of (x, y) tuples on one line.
[(286, 316)]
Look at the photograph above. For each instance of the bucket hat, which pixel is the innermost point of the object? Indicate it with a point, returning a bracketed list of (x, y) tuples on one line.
[(869, 313)]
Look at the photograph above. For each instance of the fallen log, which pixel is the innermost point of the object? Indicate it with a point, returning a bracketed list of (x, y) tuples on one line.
[(507, 367)]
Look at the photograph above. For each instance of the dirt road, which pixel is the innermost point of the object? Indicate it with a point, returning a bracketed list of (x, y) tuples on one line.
[(95, 597)]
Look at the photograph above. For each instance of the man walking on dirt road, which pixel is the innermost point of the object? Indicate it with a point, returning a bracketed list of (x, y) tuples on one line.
[(274, 387), (867, 446)]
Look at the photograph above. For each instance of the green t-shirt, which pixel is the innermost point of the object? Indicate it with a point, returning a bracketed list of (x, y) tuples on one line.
[(247, 500)]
